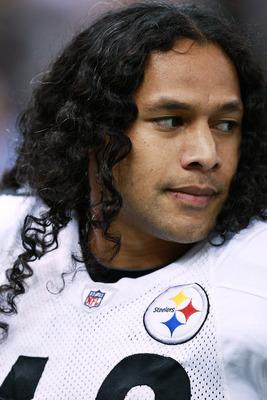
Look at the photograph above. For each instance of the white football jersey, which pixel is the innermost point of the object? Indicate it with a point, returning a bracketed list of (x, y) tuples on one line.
[(195, 329)]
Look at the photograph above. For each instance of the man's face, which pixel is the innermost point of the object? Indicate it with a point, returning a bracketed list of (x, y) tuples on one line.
[(185, 145)]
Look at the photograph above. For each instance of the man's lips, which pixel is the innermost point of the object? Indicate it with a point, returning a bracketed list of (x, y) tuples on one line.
[(194, 195)]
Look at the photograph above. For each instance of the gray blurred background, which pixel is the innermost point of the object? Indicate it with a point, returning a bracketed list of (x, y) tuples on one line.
[(32, 32)]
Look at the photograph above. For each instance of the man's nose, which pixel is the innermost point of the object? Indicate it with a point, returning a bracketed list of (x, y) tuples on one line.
[(200, 148)]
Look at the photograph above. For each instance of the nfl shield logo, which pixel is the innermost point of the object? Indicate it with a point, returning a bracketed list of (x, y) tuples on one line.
[(94, 298)]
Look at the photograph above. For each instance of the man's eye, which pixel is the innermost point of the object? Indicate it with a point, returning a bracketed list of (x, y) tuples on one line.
[(225, 126), (169, 122)]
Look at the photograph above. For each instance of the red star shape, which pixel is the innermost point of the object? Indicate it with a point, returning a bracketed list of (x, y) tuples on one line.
[(189, 310)]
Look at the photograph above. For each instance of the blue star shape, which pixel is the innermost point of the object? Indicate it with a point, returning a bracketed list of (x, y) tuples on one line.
[(172, 323)]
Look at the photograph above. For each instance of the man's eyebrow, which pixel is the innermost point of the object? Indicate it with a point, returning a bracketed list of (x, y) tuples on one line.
[(231, 106), (168, 104)]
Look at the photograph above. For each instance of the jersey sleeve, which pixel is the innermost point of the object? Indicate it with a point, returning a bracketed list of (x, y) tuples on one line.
[(240, 285)]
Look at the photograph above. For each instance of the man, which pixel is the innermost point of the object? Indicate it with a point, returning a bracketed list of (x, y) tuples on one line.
[(134, 248)]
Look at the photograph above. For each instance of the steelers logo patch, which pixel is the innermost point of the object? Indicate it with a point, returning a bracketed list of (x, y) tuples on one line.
[(177, 314)]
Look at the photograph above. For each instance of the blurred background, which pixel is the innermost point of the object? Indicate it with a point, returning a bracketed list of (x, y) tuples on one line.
[(33, 32)]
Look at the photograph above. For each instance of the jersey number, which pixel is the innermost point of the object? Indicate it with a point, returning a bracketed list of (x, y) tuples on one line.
[(22, 380), (165, 376)]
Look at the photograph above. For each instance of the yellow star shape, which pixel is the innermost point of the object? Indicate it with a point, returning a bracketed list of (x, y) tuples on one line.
[(179, 298)]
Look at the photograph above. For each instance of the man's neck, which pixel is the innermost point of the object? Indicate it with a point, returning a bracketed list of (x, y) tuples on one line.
[(137, 253)]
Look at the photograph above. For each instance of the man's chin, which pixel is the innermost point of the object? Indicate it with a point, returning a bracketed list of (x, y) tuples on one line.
[(187, 235)]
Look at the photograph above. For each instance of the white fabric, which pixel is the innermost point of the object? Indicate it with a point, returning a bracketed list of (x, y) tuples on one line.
[(227, 359)]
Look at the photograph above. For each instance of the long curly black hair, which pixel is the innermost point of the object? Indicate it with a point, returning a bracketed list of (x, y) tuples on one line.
[(82, 108)]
